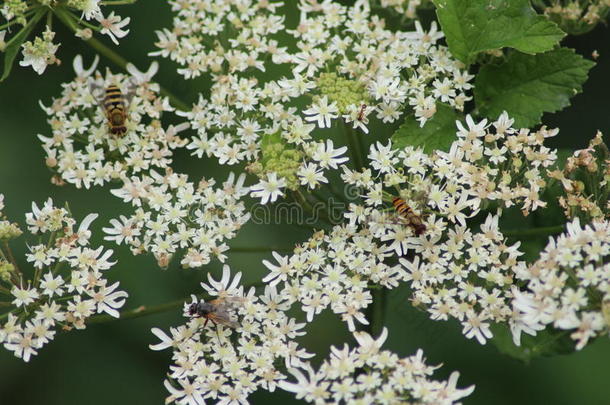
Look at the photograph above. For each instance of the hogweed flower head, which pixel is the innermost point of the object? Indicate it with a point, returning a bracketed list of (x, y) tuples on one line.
[(349, 67), (366, 374), (576, 17), (66, 287), (334, 270), (568, 287), (173, 214), (586, 182), (239, 343), (455, 272), (83, 150)]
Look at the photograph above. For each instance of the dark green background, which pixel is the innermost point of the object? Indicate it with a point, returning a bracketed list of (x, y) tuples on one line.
[(111, 363)]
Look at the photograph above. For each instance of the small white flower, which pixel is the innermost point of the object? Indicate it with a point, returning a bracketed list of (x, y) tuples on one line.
[(24, 296), (321, 112), (311, 176), (40, 53), (327, 156), (112, 26), (268, 190)]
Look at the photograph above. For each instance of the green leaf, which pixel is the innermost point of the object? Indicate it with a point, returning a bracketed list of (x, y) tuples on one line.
[(12, 48), (548, 342), (528, 85), (473, 26), (437, 133)]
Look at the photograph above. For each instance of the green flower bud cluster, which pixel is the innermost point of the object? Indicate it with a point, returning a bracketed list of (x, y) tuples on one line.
[(279, 158), (15, 9), (9, 230), (56, 219), (6, 269), (78, 4), (343, 92)]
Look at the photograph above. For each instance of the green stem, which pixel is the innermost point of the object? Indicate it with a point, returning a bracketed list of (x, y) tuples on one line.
[(303, 201), (117, 2), (375, 313), (138, 312), (334, 192), (533, 232), (89, 25), (315, 213), (114, 57), (353, 145), (50, 20)]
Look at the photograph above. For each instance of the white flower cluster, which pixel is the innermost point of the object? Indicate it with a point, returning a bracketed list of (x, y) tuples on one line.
[(40, 52), (67, 285), (237, 352), (81, 148), (455, 272), (194, 41), (568, 287), (575, 17), (334, 270), (173, 214), (368, 375), (585, 179), (376, 71)]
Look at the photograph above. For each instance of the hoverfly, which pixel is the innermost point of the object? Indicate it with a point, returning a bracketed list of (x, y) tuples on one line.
[(413, 220), (216, 311), (115, 105)]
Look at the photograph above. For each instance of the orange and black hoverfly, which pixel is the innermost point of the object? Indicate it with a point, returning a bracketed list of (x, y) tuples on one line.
[(412, 219)]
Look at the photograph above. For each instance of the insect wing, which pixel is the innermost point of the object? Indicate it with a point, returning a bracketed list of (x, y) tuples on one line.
[(222, 317), (228, 302), (130, 93), (97, 91)]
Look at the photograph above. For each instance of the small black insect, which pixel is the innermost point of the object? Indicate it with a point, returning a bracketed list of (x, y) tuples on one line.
[(216, 311)]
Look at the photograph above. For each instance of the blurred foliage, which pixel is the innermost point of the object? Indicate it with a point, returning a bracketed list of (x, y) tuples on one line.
[(111, 362)]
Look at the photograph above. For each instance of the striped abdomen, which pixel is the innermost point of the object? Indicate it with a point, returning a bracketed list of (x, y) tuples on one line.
[(114, 105), (413, 220)]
